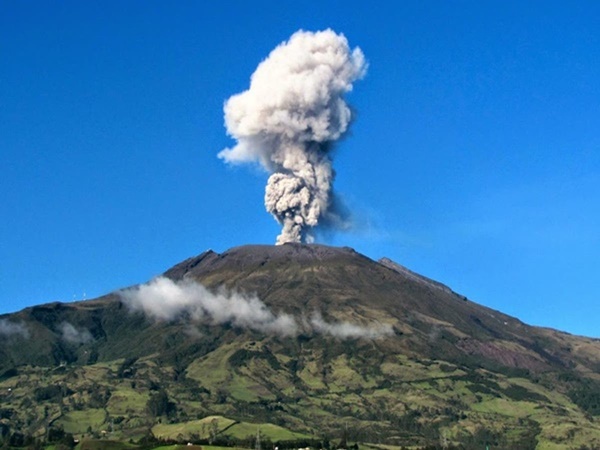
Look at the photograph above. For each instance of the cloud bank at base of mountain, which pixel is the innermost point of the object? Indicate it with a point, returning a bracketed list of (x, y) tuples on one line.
[(165, 300)]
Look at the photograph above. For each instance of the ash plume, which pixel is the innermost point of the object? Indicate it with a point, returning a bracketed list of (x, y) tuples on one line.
[(289, 119)]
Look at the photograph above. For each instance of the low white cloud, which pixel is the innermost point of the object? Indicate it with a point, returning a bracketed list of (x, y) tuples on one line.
[(165, 300), (347, 330), (74, 335), (8, 329)]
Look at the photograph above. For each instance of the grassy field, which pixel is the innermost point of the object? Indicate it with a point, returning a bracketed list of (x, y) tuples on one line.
[(77, 422), (244, 430), (200, 429), (221, 426)]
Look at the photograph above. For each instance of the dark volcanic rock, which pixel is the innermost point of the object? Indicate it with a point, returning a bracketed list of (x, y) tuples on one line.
[(248, 256)]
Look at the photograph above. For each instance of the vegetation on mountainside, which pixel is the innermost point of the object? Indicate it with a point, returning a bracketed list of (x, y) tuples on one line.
[(320, 395)]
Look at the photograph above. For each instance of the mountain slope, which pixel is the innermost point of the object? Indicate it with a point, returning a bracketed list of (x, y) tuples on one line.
[(400, 357)]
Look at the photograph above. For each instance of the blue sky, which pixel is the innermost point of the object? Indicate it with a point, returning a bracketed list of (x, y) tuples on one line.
[(473, 159)]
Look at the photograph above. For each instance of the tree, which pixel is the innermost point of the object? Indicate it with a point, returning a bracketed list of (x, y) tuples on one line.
[(444, 440), (159, 405), (60, 439), (214, 430)]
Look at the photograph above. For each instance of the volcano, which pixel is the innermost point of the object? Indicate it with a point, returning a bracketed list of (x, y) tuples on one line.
[(444, 370)]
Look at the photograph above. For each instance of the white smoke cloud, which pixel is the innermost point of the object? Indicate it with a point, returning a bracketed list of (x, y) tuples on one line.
[(166, 300), (347, 330), (73, 335), (287, 121), (8, 329)]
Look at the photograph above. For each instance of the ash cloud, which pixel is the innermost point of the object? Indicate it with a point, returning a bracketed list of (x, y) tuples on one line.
[(10, 329), (289, 119), (166, 300), (74, 335)]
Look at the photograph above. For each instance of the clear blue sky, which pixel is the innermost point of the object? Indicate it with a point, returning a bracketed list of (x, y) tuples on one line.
[(474, 157)]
